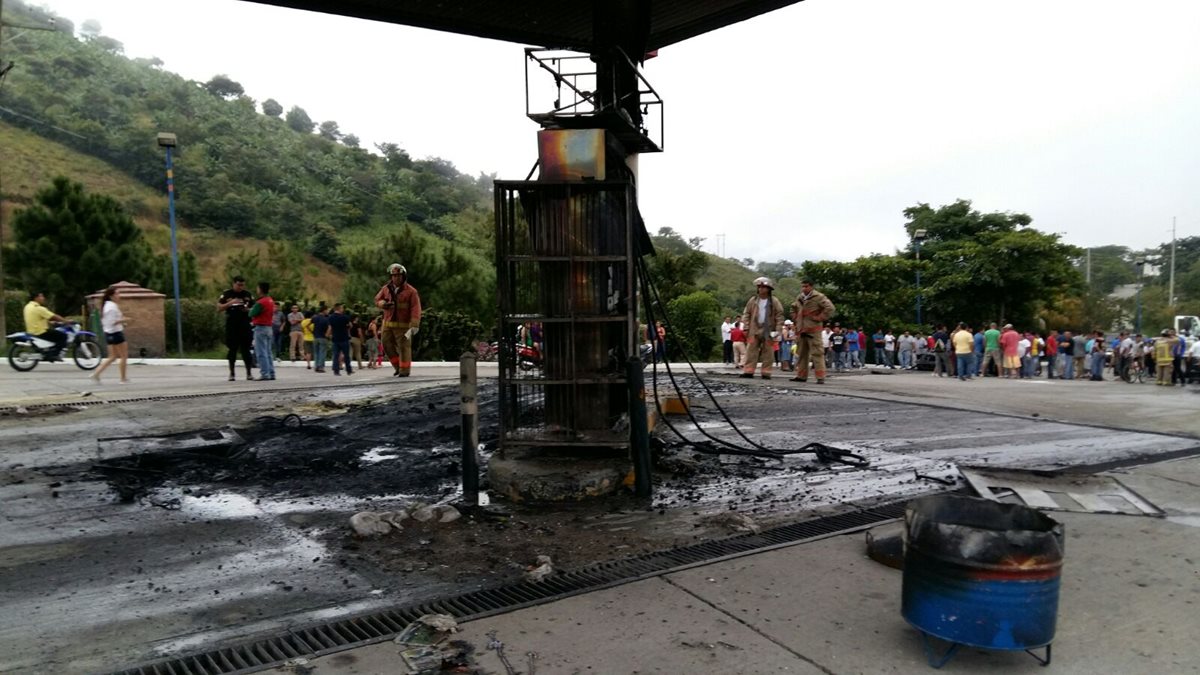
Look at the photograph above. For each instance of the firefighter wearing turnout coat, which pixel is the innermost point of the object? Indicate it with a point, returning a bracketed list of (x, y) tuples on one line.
[(401, 305), (763, 319), (810, 311)]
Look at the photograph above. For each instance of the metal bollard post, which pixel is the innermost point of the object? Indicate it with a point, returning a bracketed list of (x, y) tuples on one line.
[(469, 387), (639, 434)]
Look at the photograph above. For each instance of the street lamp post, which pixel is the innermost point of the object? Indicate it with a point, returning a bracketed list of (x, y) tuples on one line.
[(918, 237), (167, 140), (1137, 322)]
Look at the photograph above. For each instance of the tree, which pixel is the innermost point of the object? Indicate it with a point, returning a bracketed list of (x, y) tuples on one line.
[(272, 108), (280, 268), (873, 291), (984, 267), (350, 141), (329, 130), (676, 264), (162, 275), (152, 62), (89, 29), (108, 44), (776, 270), (70, 243), (395, 156), (446, 277), (324, 246), (696, 320), (223, 86), (299, 120), (1111, 266)]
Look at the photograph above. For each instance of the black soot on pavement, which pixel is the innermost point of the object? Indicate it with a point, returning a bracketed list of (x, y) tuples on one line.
[(400, 446)]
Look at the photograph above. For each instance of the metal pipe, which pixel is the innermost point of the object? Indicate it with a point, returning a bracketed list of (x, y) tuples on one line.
[(469, 390), (174, 252), (639, 432)]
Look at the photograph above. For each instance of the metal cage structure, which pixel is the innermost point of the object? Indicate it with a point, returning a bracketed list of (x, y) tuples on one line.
[(568, 321)]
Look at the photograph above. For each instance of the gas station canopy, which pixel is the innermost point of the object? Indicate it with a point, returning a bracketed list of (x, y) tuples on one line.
[(550, 23)]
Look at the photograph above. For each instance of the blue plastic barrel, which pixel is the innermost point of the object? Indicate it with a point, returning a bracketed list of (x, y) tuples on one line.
[(982, 573)]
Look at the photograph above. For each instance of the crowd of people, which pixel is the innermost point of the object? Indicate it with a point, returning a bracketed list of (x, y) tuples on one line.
[(260, 332), (763, 337)]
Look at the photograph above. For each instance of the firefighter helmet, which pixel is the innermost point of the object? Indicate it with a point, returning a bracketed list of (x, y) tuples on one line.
[(397, 267), (764, 281)]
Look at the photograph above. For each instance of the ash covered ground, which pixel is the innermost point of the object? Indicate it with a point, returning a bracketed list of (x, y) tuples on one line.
[(115, 557)]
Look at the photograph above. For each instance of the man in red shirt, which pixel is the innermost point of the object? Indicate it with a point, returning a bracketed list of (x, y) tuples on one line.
[(262, 316), (1051, 354), (738, 336), (1009, 339)]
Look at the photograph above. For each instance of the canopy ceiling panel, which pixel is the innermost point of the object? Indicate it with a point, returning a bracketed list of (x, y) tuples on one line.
[(547, 23)]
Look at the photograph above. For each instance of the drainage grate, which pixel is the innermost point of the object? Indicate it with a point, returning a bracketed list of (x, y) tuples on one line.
[(335, 636)]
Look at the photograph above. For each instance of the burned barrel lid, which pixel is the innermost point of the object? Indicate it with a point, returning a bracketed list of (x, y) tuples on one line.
[(984, 532)]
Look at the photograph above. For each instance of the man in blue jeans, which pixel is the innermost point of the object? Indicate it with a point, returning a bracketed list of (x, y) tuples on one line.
[(320, 338), (339, 334), (262, 314)]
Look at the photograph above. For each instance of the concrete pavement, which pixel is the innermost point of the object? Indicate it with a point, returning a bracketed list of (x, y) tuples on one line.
[(65, 383), (818, 607), (1129, 604)]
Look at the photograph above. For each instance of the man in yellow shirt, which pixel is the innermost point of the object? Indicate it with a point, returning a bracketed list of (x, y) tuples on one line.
[(964, 350), (306, 328), (37, 322)]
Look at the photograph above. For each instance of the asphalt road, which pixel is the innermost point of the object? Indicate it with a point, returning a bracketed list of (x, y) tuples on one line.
[(89, 583)]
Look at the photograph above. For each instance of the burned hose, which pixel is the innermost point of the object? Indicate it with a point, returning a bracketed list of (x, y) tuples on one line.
[(824, 453)]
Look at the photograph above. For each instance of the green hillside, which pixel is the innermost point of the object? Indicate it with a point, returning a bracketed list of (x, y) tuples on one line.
[(31, 161), (246, 173)]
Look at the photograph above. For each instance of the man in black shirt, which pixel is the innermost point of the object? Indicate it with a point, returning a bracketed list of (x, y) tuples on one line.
[(339, 335), (837, 342), (235, 303)]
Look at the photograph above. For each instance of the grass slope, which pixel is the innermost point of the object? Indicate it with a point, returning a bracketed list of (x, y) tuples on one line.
[(29, 162), (733, 284)]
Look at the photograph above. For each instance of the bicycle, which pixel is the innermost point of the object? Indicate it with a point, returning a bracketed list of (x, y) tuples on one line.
[(1134, 373)]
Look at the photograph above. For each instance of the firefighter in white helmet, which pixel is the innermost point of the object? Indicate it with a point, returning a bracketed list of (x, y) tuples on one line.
[(763, 319), (401, 305)]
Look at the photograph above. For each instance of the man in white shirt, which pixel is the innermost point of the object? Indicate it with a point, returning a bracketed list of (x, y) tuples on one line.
[(1023, 353), (727, 341), (889, 349), (826, 347)]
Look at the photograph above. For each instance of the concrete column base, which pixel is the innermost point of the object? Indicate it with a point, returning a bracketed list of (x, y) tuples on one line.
[(556, 479)]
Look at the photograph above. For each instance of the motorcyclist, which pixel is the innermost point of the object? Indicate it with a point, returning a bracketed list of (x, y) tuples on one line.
[(401, 305), (37, 322)]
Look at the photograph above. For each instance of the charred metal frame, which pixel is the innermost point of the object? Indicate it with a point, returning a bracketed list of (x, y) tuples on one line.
[(594, 101), (564, 261)]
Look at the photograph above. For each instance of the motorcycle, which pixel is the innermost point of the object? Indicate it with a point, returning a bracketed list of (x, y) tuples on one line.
[(528, 357), (28, 350)]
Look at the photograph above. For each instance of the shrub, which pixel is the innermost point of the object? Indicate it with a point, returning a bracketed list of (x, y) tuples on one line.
[(696, 322), (203, 326), (14, 306), (444, 336)]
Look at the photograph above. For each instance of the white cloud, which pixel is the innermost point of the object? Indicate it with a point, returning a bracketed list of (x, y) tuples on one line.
[(801, 133)]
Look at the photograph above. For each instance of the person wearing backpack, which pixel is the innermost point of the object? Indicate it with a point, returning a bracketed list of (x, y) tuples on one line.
[(940, 367)]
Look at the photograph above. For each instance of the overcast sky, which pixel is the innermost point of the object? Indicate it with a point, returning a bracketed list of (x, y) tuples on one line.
[(801, 134)]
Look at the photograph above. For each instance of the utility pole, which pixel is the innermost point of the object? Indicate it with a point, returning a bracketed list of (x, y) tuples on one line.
[(1171, 292), (1089, 269)]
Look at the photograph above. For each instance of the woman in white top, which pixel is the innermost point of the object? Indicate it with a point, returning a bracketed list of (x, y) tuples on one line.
[(113, 322)]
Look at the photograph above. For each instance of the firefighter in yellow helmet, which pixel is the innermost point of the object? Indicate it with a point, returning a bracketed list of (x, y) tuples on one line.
[(401, 305), (763, 319)]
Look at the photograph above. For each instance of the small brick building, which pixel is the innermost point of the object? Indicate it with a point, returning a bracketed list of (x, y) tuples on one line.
[(145, 310)]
